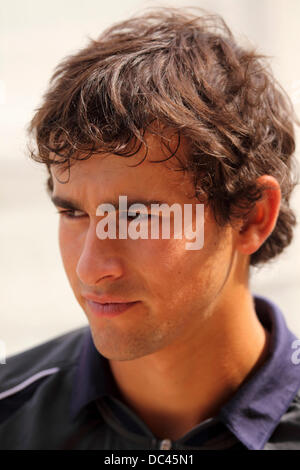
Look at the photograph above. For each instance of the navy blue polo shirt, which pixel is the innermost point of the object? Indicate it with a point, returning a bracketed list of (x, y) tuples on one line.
[(264, 407), (62, 395)]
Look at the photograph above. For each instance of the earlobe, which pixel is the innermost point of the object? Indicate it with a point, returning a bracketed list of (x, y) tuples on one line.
[(262, 219)]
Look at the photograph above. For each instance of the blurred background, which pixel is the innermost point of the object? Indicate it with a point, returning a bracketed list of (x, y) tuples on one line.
[(36, 300)]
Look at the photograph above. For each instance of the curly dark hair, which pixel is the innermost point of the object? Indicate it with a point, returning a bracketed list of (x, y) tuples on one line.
[(188, 73)]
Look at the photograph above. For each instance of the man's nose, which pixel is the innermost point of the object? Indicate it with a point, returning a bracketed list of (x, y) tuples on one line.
[(99, 259)]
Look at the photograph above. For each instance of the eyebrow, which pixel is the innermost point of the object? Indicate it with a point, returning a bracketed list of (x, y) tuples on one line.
[(71, 204)]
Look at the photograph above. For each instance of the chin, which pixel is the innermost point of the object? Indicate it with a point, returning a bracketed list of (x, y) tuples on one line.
[(117, 350)]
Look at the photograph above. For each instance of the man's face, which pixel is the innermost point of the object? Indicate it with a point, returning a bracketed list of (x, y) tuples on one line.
[(175, 288)]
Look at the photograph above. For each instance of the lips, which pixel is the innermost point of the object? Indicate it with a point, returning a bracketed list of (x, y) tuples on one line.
[(104, 299), (108, 306)]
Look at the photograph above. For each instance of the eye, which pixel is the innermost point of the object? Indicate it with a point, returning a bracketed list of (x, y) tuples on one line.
[(140, 216), (71, 213)]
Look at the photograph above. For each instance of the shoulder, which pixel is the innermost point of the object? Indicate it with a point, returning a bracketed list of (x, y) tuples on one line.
[(22, 373)]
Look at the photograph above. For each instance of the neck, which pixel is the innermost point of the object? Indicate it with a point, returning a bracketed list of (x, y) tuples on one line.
[(176, 388)]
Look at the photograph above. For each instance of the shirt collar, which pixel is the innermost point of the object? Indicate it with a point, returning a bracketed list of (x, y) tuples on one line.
[(93, 377), (251, 414)]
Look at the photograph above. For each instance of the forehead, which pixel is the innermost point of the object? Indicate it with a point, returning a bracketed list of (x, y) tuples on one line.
[(107, 175)]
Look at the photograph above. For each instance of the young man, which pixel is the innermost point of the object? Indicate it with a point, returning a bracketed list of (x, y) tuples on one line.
[(167, 109)]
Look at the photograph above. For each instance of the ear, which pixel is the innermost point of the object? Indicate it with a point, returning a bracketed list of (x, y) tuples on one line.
[(252, 233)]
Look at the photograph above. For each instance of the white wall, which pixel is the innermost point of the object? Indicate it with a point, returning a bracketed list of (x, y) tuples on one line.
[(36, 300)]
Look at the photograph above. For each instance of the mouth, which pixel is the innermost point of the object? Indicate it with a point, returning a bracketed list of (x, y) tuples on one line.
[(109, 309)]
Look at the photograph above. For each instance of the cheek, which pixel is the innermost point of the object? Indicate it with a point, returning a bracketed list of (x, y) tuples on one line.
[(165, 266), (69, 250), (179, 277)]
